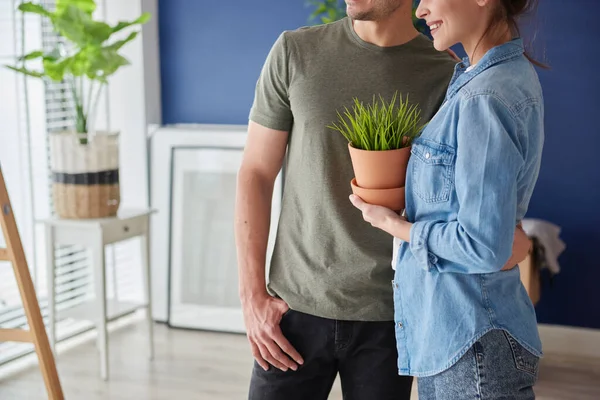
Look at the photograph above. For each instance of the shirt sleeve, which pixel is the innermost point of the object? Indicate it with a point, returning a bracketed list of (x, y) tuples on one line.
[(271, 106), (488, 162)]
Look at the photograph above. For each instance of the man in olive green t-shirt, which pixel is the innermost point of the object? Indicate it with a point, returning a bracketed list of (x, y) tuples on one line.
[(328, 307)]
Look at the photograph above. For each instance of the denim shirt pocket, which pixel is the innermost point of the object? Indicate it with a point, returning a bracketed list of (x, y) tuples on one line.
[(432, 170)]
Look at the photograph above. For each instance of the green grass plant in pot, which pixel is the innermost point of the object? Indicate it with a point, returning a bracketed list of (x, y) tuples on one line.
[(84, 162), (379, 137)]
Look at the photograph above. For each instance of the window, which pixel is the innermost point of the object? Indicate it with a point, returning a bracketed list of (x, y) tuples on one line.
[(29, 110)]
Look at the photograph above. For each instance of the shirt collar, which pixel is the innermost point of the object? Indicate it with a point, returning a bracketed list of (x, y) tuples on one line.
[(496, 55)]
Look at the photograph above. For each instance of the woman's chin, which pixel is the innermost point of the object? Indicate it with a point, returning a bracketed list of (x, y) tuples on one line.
[(440, 45)]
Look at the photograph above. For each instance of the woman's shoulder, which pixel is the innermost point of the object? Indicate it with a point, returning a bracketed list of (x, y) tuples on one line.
[(514, 84)]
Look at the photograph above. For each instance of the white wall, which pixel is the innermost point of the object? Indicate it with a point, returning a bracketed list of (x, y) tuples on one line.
[(126, 108), (152, 64), (134, 100)]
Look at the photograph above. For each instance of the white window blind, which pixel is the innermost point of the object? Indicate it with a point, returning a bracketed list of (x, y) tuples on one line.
[(14, 159), (29, 110)]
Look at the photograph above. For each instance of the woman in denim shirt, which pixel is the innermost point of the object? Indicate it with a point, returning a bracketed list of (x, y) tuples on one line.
[(465, 326)]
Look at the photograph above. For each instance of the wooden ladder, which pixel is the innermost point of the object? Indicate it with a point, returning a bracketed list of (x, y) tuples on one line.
[(37, 331)]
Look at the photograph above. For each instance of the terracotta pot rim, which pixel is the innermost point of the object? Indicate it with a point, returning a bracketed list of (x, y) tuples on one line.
[(354, 184), (376, 151), (394, 199)]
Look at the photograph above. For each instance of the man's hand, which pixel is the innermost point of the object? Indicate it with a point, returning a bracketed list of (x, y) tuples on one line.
[(520, 250), (262, 317)]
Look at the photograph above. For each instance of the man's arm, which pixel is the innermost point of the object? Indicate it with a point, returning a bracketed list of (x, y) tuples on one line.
[(262, 161), (263, 157)]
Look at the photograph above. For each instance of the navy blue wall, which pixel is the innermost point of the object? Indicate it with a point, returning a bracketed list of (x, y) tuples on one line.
[(568, 190), (212, 52)]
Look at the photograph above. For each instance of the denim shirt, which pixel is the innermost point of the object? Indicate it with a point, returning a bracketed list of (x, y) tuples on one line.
[(469, 181)]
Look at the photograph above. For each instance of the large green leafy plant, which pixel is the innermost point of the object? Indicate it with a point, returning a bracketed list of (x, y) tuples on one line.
[(85, 59), (326, 11), (380, 125)]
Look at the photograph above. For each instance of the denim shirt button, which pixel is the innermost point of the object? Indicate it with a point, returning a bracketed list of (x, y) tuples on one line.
[(400, 325), (427, 156)]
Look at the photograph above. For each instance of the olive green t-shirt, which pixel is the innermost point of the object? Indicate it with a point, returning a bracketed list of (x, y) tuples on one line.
[(327, 260)]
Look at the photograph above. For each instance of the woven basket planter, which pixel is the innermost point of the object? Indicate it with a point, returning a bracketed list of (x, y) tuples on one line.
[(85, 177)]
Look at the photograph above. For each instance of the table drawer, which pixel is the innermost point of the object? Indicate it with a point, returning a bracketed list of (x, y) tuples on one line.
[(125, 229)]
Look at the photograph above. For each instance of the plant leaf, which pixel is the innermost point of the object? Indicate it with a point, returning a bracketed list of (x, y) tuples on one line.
[(53, 55), (145, 17), (78, 26), (327, 10), (87, 6), (32, 56), (55, 70), (25, 71), (99, 32), (118, 44), (105, 63), (80, 63), (70, 24), (322, 8), (380, 124), (35, 9)]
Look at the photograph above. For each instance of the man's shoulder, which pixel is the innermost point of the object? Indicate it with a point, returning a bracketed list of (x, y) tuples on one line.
[(425, 53), (311, 35)]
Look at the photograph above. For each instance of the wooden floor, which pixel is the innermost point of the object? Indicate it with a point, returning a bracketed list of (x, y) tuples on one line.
[(200, 365)]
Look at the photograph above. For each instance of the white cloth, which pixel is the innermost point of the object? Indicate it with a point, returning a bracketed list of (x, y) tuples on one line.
[(549, 236), (395, 252)]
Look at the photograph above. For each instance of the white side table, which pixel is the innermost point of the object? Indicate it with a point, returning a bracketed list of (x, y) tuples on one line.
[(96, 234)]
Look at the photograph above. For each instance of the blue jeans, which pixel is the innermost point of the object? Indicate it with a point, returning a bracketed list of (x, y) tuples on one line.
[(495, 367)]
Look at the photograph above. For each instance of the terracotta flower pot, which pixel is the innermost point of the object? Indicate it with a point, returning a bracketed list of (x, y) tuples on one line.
[(390, 198), (380, 169)]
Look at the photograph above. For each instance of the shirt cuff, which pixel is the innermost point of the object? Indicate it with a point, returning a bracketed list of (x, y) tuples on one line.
[(419, 236)]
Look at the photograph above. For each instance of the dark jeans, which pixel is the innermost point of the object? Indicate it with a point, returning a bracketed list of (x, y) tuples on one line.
[(363, 353)]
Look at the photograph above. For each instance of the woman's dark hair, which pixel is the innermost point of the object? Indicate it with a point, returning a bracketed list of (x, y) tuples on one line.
[(510, 11)]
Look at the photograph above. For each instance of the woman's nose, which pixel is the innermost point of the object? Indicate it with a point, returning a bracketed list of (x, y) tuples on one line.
[(422, 10)]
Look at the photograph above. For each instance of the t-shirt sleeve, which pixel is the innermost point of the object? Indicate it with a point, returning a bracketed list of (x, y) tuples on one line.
[(271, 106)]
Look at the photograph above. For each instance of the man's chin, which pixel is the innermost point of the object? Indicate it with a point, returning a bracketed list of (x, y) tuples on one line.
[(361, 16)]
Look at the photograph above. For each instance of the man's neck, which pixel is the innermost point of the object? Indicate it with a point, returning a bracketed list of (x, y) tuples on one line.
[(395, 30)]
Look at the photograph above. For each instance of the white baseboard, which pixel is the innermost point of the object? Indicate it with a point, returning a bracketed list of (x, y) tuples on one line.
[(571, 341)]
